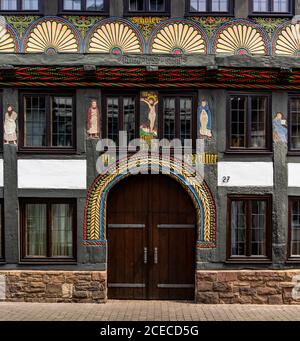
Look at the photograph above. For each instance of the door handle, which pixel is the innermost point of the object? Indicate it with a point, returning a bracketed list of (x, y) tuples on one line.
[(145, 255), (155, 255)]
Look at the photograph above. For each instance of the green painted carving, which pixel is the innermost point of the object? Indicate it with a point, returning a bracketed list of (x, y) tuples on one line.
[(269, 24), (210, 24), (83, 23), (20, 22), (146, 24)]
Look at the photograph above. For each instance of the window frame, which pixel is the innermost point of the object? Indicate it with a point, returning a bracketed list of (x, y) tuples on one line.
[(178, 95), (290, 13), (229, 13), (2, 240), (47, 148), (291, 151), (128, 13), (268, 231), (290, 257), (19, 10), (83, 9), (2, 120), (49, 202), (268, 129)]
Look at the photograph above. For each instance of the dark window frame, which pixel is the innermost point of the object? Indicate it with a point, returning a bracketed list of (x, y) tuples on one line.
[(120, 95), (290, 257), (291, 151), (2, 253), (46, 149), (209, 12), (31, 259), (83, 9), (146, 10), (268, 232), (19, 10), (268, 128), (269, 13), (178, 95)]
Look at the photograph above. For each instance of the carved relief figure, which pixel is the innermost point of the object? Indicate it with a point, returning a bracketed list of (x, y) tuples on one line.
[(10, 126), (204, 117), (279, 128), (93, 119), (148, 115)]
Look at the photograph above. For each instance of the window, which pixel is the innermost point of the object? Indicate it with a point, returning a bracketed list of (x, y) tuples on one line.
[(1, 233), (85, 5), (294, 227), (147, 6), (20, 5), (294, 123), (121, 115), (249, 227), (249, 126), (48, 229), (218, 7), (48, 122), (178, 117), (271, 7)]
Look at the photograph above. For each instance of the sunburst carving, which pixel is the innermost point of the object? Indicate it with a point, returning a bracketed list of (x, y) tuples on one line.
[(116, 38), (7, 42), (51, 37), (178, 38), (288, 41), (240, 39)]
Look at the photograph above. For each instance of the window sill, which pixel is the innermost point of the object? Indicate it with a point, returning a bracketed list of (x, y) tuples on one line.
[(149, 14), (46, 261), (248, 152), (46, 151), (248, 260), (84, 13), (266, 15), (293, 153), (293, 260), (37, 12), (209, 14)]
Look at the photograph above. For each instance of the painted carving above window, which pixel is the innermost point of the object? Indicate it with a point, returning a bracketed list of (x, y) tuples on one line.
[(287, 41)]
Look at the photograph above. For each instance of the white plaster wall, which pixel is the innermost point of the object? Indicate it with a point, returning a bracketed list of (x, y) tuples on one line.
[(60, 174), (1, 173), (294, 174), (245, 174)]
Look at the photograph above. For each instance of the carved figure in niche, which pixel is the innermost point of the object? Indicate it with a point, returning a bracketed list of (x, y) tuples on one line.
[(10, 126), (204, 116), (152, 101), (93, 119), (279, 128)]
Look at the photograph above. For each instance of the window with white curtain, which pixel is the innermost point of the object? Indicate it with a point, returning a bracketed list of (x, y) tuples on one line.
[(271, 6)]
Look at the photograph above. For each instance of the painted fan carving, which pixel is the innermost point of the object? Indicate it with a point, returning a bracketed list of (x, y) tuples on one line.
[(51, 37), (178, 39), (116, 38), (288, 41), (240, 39), (7, 43)]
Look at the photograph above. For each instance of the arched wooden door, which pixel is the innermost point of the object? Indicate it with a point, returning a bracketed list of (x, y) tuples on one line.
[(151, 232)]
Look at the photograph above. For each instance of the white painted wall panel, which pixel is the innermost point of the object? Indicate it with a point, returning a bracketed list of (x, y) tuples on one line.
[(1, 173), (294, 174), (245, 174), (63, 174)]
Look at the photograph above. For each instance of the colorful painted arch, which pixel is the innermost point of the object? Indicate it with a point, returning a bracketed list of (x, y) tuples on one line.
[(94, 231)]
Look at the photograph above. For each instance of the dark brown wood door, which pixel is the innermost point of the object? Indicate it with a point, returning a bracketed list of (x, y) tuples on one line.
[(151, 239)]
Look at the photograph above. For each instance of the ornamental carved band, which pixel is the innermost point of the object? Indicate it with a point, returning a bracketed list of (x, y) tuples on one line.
[(51, 34), (94, 231)]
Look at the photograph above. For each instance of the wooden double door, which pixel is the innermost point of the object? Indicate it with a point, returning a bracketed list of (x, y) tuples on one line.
[(151, 232)]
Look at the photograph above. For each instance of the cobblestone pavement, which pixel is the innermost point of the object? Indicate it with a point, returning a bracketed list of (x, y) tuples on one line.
[(145, 310)]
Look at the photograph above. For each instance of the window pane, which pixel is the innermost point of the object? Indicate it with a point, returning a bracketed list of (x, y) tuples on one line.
[(72, 5), (1, 233), (295, 226), (238, 121), (169, 118), (156, 5), (238, 228), (62, 231), (35, 121), (185, 119), (258, 228), (136, 5), (94, 5), (280, 6), (260, 6), (129, 117), (36, 229), (219, 5), (258, 121), (30, 5), (9, 5), (113, 118), (295, 123), (198, 6), (62, 122)]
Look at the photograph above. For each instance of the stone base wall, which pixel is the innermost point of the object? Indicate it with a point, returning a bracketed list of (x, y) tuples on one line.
[(248, 287), (53, 286)]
